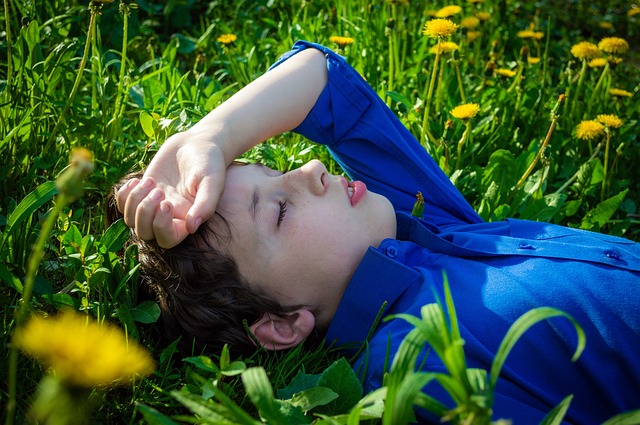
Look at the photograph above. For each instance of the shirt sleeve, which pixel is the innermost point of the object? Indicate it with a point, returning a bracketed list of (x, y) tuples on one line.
[(372, 145)]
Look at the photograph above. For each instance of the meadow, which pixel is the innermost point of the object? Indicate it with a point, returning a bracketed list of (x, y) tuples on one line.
[(531, 108)]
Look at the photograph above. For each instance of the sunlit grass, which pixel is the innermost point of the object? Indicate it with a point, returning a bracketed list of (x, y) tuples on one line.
[(118, 78)]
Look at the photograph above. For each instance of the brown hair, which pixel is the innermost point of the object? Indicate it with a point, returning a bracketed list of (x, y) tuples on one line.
[(202, 296)]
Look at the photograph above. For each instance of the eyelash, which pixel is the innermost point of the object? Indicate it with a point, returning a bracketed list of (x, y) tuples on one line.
[(283, 211)]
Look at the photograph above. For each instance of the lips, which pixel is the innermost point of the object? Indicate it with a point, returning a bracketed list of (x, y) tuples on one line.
[(357, 190)]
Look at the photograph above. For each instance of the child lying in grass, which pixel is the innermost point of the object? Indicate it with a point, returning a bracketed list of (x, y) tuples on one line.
[(308, 252)]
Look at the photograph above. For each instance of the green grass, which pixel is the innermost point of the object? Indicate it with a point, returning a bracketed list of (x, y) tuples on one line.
[(122, 96)]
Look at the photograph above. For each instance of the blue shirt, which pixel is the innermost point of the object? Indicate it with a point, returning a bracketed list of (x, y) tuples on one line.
[(497, 272)]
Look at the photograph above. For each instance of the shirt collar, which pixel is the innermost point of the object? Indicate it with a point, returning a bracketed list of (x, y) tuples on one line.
[(379, 278)]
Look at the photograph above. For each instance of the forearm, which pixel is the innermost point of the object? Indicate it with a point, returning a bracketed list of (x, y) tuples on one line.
[(276, 102)]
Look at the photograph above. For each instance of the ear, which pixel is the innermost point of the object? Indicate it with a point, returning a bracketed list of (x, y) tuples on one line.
[(280, 333)]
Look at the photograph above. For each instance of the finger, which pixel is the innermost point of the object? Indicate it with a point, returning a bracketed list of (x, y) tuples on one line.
[(123, 191), (168, 230), (136, 195), (145, 214), (204, 205)]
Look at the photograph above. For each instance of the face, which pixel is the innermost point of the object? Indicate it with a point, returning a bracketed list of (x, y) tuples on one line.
[(300, 235)]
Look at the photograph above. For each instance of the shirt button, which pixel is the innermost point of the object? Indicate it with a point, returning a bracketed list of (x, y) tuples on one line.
[(612, 254), (392, 251)]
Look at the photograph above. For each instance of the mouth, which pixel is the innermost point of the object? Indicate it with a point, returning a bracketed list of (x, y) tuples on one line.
[(356, 191)]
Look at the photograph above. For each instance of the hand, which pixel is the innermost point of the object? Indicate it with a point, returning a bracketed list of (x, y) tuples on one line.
[(178, 191)]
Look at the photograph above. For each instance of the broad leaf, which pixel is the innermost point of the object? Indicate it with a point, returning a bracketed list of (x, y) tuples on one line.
[(340, 378)]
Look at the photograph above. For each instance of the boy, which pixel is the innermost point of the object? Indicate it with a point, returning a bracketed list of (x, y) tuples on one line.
[(314, 252)]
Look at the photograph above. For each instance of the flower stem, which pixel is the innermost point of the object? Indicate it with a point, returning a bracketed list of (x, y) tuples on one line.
[(462, 142), (93, 12), (117, 109), (605, 71), (606, 164), (432, 82), (574, 100), (9, 59), (459, 77), (554, 118), (23, 311)]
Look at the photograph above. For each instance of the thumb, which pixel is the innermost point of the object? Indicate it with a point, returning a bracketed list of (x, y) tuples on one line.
[(208, 194)]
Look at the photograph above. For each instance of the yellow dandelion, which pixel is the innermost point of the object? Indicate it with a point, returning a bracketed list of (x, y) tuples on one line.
[(227, 38), (609, 120), (341, 41), (614, 60), (585, 50), (605, 25), (597, 62), (505, 72), (470, 22), (532, 60), (83, 352), (537, 35), (439, 28), (589, 130), (447, 11), (466, 111), (445, 47), (613, 45), (619, 92), (525, 34), (473, 36), (483, 16), (635, 10)]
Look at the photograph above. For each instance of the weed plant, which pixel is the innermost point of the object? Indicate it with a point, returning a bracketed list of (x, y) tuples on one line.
[(552, 137)]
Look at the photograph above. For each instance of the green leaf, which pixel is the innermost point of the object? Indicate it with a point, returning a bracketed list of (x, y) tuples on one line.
[(10, 279), (520, 326), (115, 237), (313, 397), (631, 417), (234, 368), (153, 417), (302, 381), (73, 238), (544, 209), (499, 171), (260, 392), (209, 412), (409, 389), (203, 363), (146, 121), (125, 317), (292, 414), (61, 300), (340, 378), (603, 211), (146, 312), (34, 200), (555, 416)]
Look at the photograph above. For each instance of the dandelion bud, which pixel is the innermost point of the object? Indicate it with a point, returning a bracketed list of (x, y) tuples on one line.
[(71, 179), (418, 207)]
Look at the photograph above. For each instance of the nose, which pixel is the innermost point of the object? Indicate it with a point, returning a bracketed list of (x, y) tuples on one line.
[(314, 174)]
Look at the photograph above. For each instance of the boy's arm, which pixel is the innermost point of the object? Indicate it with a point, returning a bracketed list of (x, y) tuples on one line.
[(184, 181), (371, 144)]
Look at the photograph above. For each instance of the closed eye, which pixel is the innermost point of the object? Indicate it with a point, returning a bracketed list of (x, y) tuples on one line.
[(283, 211)]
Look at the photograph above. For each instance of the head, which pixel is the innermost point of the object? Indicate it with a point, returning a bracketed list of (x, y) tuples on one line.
[(278, 253)]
